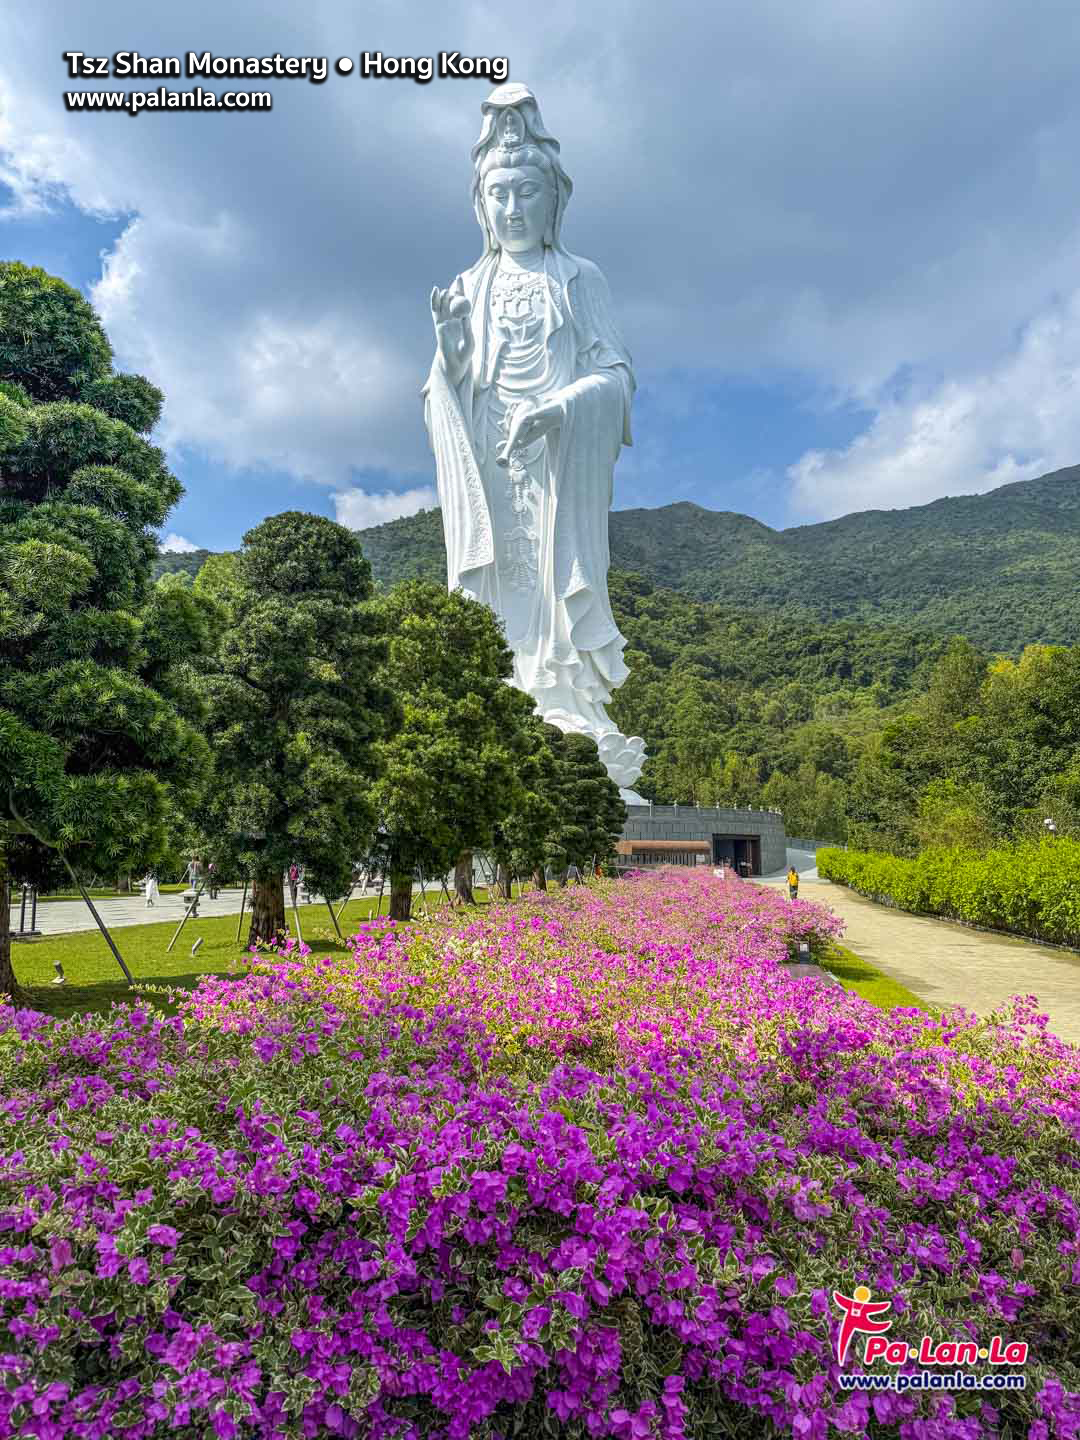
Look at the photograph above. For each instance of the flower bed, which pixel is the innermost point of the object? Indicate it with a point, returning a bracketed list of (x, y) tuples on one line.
[(590, 1165)]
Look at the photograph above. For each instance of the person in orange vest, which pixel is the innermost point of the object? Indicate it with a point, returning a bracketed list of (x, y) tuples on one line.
[(793, 882)]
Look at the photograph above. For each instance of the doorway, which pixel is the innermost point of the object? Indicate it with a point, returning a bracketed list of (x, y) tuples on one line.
[(742, 852)]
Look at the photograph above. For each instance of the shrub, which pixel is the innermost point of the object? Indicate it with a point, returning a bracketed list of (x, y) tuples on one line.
[(1031, 888), (455, 1185)]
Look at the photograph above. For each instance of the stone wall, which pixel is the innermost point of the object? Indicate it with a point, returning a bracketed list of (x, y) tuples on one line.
[(693, 822)]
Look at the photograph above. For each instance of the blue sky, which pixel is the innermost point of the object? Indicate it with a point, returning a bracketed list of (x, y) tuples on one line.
[(843, 241)]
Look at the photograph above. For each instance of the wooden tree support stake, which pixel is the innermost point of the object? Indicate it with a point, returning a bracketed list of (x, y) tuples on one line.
[(100, 923), (243, 903), (187, 914), (349, 896), (334, 918)]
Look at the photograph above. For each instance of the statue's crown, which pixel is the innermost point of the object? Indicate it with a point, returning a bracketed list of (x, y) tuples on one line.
[(511, 94)]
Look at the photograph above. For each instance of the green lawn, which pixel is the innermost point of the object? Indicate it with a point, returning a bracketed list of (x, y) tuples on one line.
[(854, 973), (94, 980)]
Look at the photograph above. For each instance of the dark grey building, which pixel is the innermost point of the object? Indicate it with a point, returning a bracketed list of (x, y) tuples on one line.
[(751, 840)]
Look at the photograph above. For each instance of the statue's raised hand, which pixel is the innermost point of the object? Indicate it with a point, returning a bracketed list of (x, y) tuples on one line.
[(450, 313)]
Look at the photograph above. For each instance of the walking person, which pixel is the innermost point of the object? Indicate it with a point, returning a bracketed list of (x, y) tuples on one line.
[(793, 883), (150, 886), (212, 879), (294, 881)]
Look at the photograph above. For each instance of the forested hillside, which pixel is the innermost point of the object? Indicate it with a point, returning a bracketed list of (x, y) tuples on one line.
[(748, 708), (776, 668), (771, 709), (1002, 569), (186, 562)]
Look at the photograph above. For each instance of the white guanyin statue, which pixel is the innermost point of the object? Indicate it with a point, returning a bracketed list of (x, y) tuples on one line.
[(527, 406)]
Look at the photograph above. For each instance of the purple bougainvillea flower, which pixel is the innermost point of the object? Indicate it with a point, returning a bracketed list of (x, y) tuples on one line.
[(475, 1171)]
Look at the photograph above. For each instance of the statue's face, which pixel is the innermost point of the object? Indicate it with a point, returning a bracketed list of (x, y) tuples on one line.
[(518, 204)]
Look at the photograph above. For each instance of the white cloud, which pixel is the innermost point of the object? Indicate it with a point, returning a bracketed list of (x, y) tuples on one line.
[(904, 198), (42, 161), (360, 509), (966, 435), (278, 385), (177, 545)]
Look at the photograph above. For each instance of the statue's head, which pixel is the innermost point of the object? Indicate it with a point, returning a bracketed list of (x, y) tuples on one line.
[(518, 196), (520, 189)]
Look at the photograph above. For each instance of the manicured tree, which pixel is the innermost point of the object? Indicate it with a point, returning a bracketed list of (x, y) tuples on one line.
[(590, 812), (51, 342), (452, 772), (522, 840), (295, 709), (96, 741)]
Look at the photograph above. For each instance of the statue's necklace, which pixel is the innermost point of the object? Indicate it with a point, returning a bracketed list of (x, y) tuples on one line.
[(516, 291)]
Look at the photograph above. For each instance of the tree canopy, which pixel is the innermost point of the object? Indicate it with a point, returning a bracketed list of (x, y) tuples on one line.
[(589, 810), (453, 771), (296, 706), (96, 732)]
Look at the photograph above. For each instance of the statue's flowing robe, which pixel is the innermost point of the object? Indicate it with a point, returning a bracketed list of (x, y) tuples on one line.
[(544, 575)]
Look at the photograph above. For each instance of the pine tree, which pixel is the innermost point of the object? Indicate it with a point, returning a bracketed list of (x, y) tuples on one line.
[(96, 740), (452, 773), (590, 813), (522, 840), (296, 707)]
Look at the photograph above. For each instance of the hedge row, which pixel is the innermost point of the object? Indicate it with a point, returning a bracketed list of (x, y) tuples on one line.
[(1030, 889)]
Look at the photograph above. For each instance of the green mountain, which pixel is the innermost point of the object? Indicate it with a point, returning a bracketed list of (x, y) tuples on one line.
[(172, 562), (1002, 568), (726, 698), (765, 664)]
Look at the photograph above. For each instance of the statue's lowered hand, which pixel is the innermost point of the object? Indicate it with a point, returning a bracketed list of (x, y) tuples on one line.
[(450, 313), (529, 422)]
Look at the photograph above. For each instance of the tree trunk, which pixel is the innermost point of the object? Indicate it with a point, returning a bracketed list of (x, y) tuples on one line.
[(540, 878), (400, 897), (503, 882), (9, 986), (267, 907), (463, 878), (123, 884)]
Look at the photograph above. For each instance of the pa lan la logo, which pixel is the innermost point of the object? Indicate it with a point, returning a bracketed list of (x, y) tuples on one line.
[(861, 1316)]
